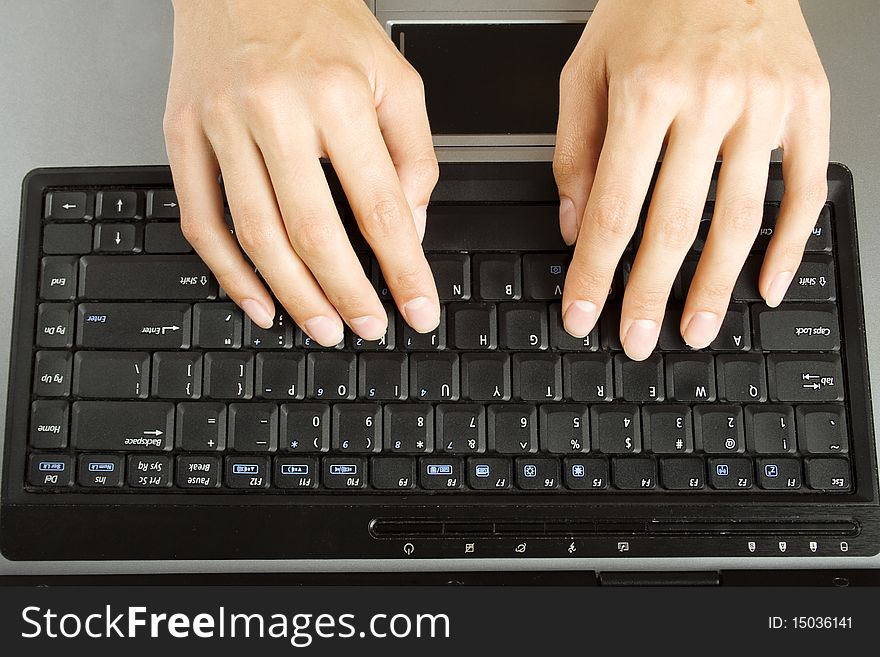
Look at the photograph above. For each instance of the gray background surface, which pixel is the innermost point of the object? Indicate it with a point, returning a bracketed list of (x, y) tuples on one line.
[(83, 83)]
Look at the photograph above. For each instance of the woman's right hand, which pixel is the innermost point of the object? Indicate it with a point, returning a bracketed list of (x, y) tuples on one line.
[(260, 90)]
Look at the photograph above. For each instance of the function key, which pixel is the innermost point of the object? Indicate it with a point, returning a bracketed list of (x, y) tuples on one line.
[(820, 238), (117, 205), (344, 473), (50, 470), (586, 474), (66, 206), (393, 473), (634, 473), (441, 473), (779, 474), (247, 472), (537, 473), (162, 204), (296, 472), (100, 470), (682, 473), (730, 473), (487, 473)]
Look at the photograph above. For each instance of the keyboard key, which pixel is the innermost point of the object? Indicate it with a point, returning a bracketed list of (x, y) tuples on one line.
[(565, 428), (770, 429), (452, 275), (118, 238), (122, 426), (217, 326), (387, 473), (411, 340), (513, 428), (472, 326), (162, 204), (690, 377), (639, 381), (384, 343), (253, 427), (305, 428), (820, 239), (634, 473), (735, 333), (434, 377), (100, 470), (797, 327), (667, 429), (441, 473), (822, 429), (779, 474), (741, 378), (49, 420), (133, 325), (807, 378), (117, 205), (537, 473), (67, 238), (719, 429), (485, 376), (201, 427), (50, 470), (281, 375), (586, 473), (66, 206), (408, 428), (177, 375), (563, 340), (522, 326), (278, 336), (670, 331), (344, 472), (498, 276), (55, 325), (731, 473), (544, 275), (682, 473), (145, 278), (52, 373), (828, 474), (295, 472), (58, 276), (587, 377), (487, 473), (616, 429), (814, 280), (537, 377), (247, 472), (461, 428), (165, 238), (332, 376), (383, 376), (198, 472), (148, 471), (357, 428), (229, 375)]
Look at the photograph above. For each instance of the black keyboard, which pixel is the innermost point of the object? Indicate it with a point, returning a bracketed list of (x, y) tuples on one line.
[(136, 381)]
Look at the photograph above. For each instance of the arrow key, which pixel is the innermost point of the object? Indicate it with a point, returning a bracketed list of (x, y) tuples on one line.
[(117, 205), (118, 238), (66, 206), (162, 204)]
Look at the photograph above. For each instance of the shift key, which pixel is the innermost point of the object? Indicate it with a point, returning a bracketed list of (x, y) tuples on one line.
[(145, 277), (122, 426)]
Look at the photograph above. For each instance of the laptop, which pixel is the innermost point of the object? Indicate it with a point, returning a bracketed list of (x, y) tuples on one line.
[(149, 420)]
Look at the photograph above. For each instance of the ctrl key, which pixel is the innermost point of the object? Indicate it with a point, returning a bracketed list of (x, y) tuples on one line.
[(149, 471), (100, 470), (50, 470)]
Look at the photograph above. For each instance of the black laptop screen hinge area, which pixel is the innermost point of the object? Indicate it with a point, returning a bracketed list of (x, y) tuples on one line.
[(648, 578)]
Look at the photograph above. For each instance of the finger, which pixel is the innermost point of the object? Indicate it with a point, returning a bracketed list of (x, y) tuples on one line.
[(739, 208), (673, 218), (261, 233), (195, 172), (623, 175), (403, 120), (583, 114), (804, 170), (315, 230), (360, 158)]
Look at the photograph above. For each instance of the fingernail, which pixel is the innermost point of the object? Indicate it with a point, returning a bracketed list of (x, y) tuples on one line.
[(701, 330), (580, 317), (641, 338), (420, 216), (778, 288), (323, 330), (369, 327), (421, 314), (567, 220), (257, 312)]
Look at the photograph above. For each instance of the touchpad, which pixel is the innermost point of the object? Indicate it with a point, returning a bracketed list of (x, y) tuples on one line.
[(489, 78)]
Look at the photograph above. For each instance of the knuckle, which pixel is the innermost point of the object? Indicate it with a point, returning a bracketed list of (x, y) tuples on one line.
[(714, 292), (566, 159), (612, 215), (814, 86), (651, 83), (587, 282), (195, 232), (254, 233), (425, 171), (382, 220), (675, 226), (645, 302), (743, 214), (336, 88), (263, 97), (313, 235), (408, 278), (178, 126), (217, 111)]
